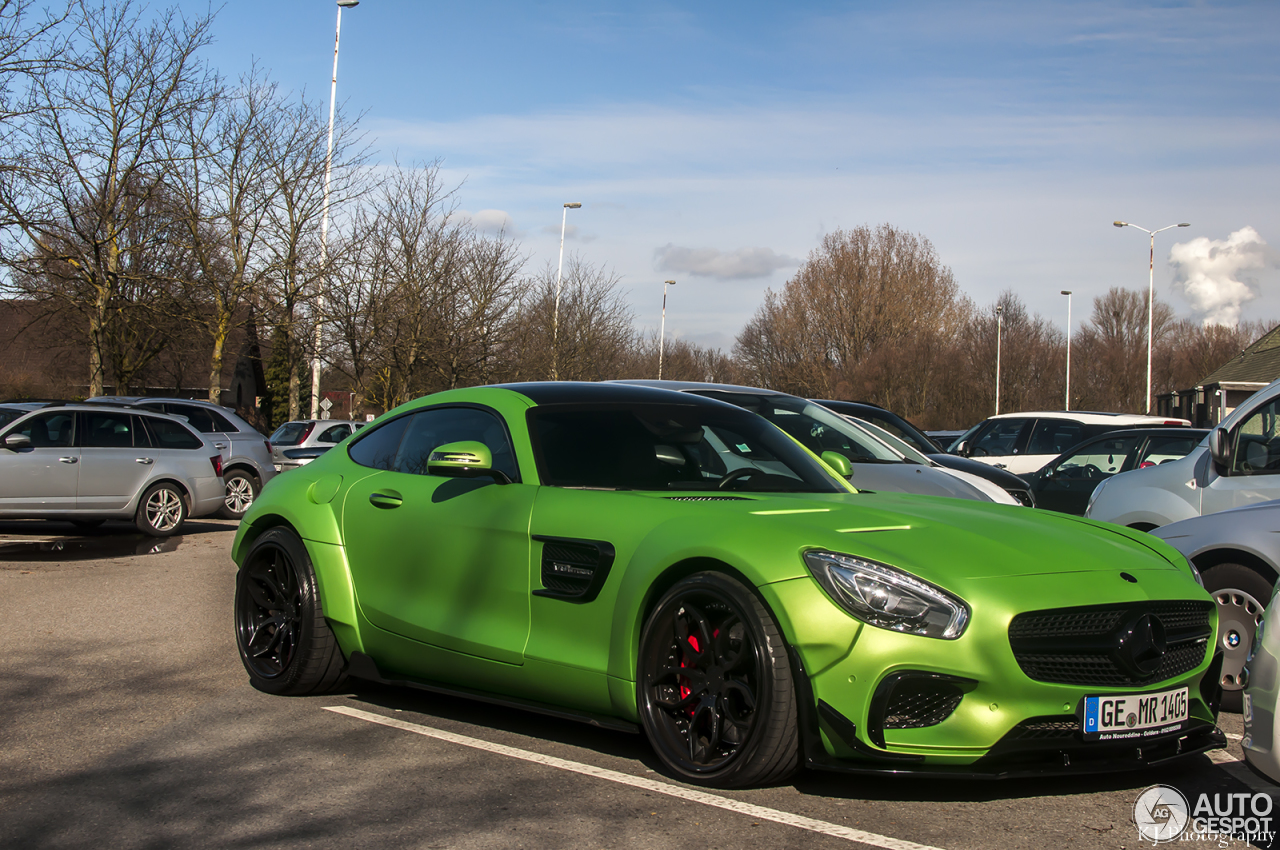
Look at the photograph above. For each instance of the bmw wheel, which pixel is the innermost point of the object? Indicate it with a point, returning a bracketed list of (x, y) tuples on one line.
[(161, 511), (285, 644), (1242, 596), (242, 489), (716, 694)]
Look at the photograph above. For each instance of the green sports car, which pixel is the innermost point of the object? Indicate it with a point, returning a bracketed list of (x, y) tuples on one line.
[(649, 560)]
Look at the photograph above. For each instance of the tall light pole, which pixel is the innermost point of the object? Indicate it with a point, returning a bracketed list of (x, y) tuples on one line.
[(1067, 292), (662, 335), (555, 317), (1151, 293), (324, 217), (999, 328)]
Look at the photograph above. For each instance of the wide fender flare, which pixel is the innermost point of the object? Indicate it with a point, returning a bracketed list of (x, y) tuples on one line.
[(677, 548)]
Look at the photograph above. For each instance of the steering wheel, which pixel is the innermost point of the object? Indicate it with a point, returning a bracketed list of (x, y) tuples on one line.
[(734, 476)]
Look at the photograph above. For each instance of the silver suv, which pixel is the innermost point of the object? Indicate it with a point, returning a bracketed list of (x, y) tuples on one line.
[(91, 463), (246, 454)]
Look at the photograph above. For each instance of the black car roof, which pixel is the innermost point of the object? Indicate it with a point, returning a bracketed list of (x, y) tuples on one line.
[(586, 392)]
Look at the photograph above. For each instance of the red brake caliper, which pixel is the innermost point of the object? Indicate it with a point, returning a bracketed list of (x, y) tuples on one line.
[(685, 662)]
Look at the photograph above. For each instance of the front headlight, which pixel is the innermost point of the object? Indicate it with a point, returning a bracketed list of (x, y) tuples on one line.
[(1195, 573), (887, 597)]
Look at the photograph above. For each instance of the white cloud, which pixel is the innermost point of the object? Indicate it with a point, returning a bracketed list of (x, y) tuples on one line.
[(492, 221), (1214, 274), (572, 233), (710, 262)]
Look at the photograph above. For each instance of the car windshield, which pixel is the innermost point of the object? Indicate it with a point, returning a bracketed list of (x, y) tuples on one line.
[(290, 433), (670, 447), (814, 426), (8, 414), (967, 435), (909, 452)]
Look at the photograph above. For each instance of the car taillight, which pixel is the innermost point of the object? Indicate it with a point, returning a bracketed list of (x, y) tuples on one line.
[(216, 460), (311, 426), (267, 443), (1146, 463)]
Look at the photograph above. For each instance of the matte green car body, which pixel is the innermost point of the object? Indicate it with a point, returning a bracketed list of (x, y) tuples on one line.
[(443, 589)]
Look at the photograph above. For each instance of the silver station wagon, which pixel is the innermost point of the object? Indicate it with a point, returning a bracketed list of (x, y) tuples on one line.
[(91, 463)]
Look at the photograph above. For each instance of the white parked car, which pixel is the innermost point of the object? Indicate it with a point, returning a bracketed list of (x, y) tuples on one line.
[(300, 441), (1237, 553), (1024, 442)]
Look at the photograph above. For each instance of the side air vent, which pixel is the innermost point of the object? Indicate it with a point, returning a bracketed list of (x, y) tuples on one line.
[(573, 569), (706, 499)]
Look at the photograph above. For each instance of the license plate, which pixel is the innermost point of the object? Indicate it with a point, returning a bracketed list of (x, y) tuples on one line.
[(1135, 716)]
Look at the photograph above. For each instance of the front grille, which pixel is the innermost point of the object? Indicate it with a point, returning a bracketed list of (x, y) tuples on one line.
[(916, 703), (1045, 729), (1083, 646)]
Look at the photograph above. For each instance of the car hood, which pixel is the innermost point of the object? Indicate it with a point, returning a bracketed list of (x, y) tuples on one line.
[(941, 540)]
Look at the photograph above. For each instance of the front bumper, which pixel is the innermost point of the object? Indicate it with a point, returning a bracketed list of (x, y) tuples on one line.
[(999, 723)]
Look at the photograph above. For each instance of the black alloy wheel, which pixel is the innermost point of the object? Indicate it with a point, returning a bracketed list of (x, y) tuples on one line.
[(285, 644), (716, 695)]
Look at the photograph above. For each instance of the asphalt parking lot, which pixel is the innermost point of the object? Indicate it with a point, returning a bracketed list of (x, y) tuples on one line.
[(126, 720)]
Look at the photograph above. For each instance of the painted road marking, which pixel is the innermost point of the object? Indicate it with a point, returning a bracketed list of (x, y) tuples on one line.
[(749, 809), (1221, 757)]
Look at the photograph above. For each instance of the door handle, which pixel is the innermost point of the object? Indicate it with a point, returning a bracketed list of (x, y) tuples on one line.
[(386, 500), (69, 459), (1001, 465), (219, 445), (145, 460)]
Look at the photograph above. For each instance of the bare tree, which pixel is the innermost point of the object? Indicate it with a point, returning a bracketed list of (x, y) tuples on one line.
[(95, 160)]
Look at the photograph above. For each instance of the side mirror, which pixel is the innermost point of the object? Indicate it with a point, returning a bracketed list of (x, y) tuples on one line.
[(839, 463), (465, 459), (962, 448), (1220, 448), (13, 442)]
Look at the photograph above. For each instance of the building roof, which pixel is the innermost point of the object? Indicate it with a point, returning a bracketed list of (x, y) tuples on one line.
[(1258, 364)]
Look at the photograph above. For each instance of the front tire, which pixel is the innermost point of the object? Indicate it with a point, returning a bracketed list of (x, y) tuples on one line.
[(162, 510), (242, 489), (1242, 596), (285, 644), (715, 689)]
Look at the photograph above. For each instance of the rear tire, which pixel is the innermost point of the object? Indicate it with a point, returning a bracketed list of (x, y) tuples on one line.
[(285, 643), (242, 489), (715, 688), (162, 510), (1242, 596)]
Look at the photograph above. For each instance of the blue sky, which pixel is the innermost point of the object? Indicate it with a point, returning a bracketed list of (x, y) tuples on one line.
[(715, 143)]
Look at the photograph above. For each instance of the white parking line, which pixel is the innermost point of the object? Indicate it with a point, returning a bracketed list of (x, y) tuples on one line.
[(1221, 757), (757, 812)]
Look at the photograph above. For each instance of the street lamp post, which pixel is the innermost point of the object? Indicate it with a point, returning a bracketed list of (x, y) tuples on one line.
[(1151, 292), (1067, 292), (662, 335), (999, 328), (555, 317), (324, 217)]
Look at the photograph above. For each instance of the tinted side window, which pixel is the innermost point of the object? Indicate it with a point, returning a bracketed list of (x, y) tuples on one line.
[(107, 430), (1100, 458), (49, 429), (1000, 439), (1054, 436), (200, 418), (336, 434), (1258, 443), (431, 429), (167, 434), (377, 447)]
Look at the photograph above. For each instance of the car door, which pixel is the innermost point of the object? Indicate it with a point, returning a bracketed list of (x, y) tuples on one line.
[(216, 429), (439, 559), (1067, 485), (115, 460), (43, 476), (1254, 473), (1049, 438)]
